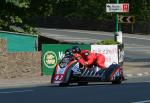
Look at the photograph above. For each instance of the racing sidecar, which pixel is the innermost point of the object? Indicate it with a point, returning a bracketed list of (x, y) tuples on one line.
[(69, 70)]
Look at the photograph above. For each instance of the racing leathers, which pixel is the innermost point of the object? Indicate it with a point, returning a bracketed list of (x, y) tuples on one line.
[(79, 58), (89, 59)]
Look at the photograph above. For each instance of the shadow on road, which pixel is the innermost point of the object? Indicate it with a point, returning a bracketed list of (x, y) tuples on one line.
[(90, 84)]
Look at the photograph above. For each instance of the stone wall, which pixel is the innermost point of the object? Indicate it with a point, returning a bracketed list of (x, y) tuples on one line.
[(3, 48), (3, 57), (19, 64)]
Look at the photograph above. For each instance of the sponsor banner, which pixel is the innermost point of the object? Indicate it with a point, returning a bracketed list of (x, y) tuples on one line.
[(53, 53), (109, 51)]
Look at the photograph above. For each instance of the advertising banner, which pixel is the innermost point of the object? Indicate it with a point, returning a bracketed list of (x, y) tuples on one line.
[(53, 53), (109, 51)]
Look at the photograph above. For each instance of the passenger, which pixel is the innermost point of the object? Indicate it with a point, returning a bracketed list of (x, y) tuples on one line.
[(88, 59)]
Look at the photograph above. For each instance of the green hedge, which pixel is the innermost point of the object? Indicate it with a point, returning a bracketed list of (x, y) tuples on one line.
[(107, 42)]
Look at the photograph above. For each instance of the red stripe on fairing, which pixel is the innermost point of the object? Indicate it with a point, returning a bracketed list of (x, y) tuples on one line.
[(55, 71), (56, 68), (114, 73), (69, 66)]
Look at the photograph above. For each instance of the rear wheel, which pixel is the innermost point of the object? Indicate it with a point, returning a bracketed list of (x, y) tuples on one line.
[(118, 80)]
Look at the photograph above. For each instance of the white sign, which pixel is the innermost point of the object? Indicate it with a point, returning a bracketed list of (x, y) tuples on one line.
[(117, 7), (60, 55), (109, 51)]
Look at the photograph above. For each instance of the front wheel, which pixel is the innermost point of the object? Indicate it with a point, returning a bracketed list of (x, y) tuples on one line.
[(67, 81), (63, 84), (82, 83), (117, 81)]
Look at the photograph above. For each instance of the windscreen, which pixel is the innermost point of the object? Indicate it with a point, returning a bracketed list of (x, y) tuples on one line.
[(63, 63)]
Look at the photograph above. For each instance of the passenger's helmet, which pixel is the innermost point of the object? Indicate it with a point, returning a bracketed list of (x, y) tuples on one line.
[(76, 49), (85, 52), (68, 52)]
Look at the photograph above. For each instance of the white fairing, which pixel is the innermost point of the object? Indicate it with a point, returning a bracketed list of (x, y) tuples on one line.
[(76, 67), (60, 70)]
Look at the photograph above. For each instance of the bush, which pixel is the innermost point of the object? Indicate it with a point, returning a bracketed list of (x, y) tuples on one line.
[(11, 22), (107, 42)]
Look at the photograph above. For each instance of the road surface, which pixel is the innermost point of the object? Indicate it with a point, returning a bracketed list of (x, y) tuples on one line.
[(131, 91)]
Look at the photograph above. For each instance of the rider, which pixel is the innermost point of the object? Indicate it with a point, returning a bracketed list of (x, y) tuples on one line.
[(77, 52), (77, 56), (69, 52), (88, 58)]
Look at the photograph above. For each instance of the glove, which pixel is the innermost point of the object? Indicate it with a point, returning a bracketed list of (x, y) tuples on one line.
[(86, 63)]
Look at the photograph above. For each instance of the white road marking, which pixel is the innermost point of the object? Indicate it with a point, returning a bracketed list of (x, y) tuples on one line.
[(146, 73), (52, 34), (9, 92), (128, 75), (146, 101), (139, 74)]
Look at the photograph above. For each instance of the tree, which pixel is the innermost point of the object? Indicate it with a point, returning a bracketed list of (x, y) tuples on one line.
[(19, 12), (12, 16), (80, 9)]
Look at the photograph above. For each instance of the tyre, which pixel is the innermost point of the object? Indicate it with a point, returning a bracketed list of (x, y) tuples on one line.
[(82, 83), (118, 80), (63, 84)]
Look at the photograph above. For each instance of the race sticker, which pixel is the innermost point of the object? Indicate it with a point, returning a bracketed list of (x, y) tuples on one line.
[(58, 77), (50, 59)]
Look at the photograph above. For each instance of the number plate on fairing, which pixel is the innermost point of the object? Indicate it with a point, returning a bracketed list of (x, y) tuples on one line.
[(58, 78)]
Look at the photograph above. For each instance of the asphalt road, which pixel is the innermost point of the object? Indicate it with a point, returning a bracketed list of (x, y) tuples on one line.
[(128, 92), (136, 46)]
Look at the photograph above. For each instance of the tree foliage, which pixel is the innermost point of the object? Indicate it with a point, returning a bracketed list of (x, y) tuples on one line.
[(95, 9), (18, 12)]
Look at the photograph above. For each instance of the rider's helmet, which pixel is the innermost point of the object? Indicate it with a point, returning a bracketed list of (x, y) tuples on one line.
[(68, 52), (76, 49)]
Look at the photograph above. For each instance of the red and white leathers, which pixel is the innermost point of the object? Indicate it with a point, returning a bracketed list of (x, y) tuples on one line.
[(89, 59)]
